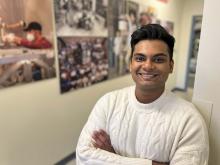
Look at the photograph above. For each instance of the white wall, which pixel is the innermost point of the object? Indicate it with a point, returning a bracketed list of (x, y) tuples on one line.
[(190, 8), (207, 90), (40, 126)]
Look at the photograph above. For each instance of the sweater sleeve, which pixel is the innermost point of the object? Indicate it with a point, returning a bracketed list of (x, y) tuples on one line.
[(193, 144), (87, 154)]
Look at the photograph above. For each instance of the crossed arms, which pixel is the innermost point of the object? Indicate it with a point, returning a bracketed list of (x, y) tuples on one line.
[(102, 141)]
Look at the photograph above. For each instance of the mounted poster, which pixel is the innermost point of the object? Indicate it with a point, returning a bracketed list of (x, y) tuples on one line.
[(81, 17), (82, 31), (26, 42), (83, 61)]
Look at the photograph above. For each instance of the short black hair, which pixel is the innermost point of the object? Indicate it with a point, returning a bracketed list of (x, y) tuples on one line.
[(152, 32), (33, 26)]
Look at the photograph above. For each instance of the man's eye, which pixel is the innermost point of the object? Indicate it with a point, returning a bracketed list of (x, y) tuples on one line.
[(159, 60), (139, 58)]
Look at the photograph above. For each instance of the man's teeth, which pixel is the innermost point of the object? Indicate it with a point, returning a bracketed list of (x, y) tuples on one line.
[(144, 75)]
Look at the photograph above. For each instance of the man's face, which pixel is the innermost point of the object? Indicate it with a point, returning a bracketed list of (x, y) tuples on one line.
[(150, 64), (35, 33), (31, 36)]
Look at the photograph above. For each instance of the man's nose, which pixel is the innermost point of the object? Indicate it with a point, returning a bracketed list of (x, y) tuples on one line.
[(148, 65)]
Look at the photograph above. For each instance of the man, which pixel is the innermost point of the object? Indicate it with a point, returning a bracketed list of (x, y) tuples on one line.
[(145, 124), (34, 38)]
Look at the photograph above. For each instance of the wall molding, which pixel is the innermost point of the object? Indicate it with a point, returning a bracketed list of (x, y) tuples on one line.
[(67, 159)]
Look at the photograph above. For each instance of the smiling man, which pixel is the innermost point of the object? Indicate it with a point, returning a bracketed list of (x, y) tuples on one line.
[(145, 124), (150, 66)]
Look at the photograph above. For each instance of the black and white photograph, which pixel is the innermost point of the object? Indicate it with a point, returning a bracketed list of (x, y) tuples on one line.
[(81, 17), (83, 61), (133, 13), (26, 42), (121, 21)]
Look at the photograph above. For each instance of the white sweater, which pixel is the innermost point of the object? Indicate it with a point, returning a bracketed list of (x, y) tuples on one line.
[(167, 130)]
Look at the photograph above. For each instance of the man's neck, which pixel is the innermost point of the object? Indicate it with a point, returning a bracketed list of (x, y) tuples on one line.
[(148, 96)]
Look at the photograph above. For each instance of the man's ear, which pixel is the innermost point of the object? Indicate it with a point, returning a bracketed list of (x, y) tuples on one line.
[(171, 66)]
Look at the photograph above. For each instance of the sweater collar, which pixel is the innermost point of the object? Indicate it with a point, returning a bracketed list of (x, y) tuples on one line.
[(150, 107)]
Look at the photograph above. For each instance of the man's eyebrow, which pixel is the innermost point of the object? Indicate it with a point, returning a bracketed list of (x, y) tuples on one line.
[(158, 54), (161, 54), (139, 54)]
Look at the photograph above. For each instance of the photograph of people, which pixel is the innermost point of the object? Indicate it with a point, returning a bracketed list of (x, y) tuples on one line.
[(123, 22), (34, 38), (83, 61), (81, 17), (26, 42)]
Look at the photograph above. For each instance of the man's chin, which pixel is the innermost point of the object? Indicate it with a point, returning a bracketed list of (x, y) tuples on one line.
[(149, 87)]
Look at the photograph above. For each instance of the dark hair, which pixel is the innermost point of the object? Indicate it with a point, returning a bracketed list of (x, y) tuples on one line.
[(33, 26), (152, 32)]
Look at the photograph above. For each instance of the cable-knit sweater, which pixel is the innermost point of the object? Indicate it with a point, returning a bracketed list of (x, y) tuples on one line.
[(167, 130)]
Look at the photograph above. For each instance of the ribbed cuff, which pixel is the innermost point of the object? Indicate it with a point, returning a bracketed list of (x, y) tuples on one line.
[(132, 161)]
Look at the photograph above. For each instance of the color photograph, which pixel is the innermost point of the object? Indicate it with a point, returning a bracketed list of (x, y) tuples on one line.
[(83, 61), (26, 42)]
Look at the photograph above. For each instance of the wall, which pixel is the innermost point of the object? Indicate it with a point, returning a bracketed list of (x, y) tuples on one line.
[(190, 9), (207, 92), (40, 126)]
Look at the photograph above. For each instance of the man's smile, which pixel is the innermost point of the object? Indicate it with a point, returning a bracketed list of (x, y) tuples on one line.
[(147, 76)]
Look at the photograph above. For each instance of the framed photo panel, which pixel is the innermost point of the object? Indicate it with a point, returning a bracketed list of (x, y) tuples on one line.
[(26, 42), (83, 61), (81, 17)]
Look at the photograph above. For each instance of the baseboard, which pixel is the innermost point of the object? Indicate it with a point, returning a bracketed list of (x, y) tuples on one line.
[(67, 159), (178, 89)]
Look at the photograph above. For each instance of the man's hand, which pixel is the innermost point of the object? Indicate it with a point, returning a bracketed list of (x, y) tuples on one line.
[(17, 40), (102, 140)]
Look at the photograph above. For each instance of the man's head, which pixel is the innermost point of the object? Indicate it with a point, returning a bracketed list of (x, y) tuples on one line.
[(33, 30), (151, 57), (152, 32)]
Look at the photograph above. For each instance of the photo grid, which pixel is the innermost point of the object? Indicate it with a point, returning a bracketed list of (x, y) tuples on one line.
[(82, 39)]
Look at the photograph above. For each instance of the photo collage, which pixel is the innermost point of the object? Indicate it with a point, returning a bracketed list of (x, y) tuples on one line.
[(92, 40)]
